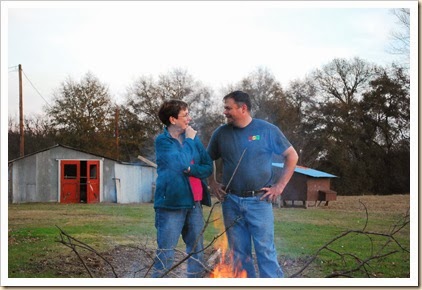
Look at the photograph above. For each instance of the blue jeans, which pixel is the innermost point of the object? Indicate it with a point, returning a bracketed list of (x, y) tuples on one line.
[(170, 224), (250, 219)]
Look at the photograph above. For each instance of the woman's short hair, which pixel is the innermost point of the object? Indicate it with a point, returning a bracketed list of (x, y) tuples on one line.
[(170, 108), (240, 98)]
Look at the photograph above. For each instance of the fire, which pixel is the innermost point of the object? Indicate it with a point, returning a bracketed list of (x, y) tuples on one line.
[(225, 268)]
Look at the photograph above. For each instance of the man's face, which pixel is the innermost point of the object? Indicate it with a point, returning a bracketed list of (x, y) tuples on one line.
[(233, 112)]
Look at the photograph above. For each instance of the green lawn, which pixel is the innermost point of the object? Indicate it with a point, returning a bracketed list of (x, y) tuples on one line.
[(300, 233)]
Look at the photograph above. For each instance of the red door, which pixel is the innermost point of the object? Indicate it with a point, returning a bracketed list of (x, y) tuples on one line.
[(70, 182), (93, 181)]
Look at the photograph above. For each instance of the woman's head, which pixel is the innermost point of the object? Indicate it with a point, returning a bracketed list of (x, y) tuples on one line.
[(174, 112)]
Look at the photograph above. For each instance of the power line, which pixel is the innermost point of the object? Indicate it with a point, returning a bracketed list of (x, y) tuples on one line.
[(13, 68), (36, 89)]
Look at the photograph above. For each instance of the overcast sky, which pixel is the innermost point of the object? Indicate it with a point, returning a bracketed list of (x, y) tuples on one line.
[(217, 42)]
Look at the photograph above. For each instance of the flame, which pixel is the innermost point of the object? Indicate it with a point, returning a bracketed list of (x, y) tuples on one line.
[(225, 268)]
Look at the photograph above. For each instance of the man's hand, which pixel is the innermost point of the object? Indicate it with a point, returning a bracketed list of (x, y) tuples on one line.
[(272, 193), (217, 190)]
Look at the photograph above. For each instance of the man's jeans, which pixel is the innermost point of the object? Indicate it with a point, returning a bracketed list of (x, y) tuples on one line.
[(170, 224), (250, 219)]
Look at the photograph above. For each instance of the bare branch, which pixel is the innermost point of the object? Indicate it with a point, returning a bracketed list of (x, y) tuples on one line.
[(70, 243), (362, 263)]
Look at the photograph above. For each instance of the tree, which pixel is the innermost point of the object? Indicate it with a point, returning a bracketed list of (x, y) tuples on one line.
[(343, 80), (386, 108), (301, 94), (360, 125), (82, 115), (37, 133), (400, 44), (146, 95), (335, 122)]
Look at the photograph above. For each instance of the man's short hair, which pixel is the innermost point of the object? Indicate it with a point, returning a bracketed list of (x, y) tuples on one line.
[(240, 98)]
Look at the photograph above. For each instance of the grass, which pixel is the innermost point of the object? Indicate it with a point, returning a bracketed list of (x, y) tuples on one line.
[(33, 248)]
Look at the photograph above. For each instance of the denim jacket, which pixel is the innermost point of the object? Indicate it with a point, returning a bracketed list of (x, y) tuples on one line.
[(173, 190)]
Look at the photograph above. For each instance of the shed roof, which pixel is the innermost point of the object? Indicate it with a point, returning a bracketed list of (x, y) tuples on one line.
[(307, 171), (84, 151)]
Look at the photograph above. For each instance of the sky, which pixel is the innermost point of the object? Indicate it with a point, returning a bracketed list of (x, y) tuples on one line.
[(217, 42)]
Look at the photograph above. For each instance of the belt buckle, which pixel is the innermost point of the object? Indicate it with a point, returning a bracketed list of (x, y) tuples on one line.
[(249, 193)]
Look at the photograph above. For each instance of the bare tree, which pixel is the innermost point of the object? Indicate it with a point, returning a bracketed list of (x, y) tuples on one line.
[(400, 44), (343, 80), (37, 131), (146, 95)]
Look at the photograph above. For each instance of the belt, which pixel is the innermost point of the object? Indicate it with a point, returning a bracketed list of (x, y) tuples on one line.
[(247, 193)]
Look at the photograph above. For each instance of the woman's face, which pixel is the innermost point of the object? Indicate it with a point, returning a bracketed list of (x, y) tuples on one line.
[(182, 120)]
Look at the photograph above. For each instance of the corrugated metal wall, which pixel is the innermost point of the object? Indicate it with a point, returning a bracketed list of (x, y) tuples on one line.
[(134, 183), (35, 178)]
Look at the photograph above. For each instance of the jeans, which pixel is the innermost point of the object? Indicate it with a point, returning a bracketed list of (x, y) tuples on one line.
[(170, 224), (251, 219)]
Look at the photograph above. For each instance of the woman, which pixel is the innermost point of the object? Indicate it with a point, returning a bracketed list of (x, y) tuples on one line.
[(181, 189)]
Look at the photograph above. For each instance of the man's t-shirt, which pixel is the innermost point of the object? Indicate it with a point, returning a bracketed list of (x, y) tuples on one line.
[(260, 139)]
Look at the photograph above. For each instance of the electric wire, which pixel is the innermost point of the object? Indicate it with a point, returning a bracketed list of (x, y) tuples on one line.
[(35, 88), (13, 68)]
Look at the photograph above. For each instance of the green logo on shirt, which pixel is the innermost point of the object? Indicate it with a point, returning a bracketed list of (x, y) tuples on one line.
[(254, 138)]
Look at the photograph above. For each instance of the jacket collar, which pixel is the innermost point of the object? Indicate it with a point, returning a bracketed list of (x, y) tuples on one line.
[(167, 133)]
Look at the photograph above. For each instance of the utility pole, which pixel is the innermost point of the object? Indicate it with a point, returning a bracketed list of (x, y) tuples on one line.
[(117, 132), (22, 140)]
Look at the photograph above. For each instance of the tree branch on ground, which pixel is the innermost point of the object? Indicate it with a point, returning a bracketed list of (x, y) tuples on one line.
[(74, 244), (362, 264)]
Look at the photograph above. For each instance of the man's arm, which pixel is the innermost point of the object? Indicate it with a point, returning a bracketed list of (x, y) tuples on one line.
[(290, 162)]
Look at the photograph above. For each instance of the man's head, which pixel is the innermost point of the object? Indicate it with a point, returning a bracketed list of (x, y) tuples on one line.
[(237, 108)]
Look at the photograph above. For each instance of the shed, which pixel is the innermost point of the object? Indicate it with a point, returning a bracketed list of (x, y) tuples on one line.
[(306, 185), (68, 175)]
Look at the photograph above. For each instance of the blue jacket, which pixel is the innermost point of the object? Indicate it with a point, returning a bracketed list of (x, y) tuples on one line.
[(173, 190)]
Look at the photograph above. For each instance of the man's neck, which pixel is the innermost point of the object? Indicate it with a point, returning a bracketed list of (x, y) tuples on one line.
[(245, 122)]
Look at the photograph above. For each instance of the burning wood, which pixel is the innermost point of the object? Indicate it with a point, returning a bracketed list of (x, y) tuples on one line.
[(225, 267), (221, 261)]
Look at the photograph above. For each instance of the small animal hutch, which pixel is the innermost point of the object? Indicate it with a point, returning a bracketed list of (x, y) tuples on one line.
[(307, 185)]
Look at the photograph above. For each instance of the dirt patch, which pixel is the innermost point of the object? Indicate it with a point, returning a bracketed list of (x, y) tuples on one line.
[(120, 262), (134, 262)]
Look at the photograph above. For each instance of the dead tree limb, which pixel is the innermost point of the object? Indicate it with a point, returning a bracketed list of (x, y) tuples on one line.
[(73, 244), (362, 264)]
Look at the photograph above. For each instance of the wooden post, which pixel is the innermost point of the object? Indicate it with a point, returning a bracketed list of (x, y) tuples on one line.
[(22, 138), (117, 132)]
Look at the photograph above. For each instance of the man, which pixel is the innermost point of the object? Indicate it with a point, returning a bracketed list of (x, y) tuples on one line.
[(246, 145)]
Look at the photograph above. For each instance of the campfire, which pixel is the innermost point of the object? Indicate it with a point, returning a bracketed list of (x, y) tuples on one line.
[(225, 266)]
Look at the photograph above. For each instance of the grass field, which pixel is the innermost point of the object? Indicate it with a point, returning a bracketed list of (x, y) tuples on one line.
[(125, 235)]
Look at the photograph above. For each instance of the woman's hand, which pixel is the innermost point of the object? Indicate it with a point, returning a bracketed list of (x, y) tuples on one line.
[(190, 132)]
